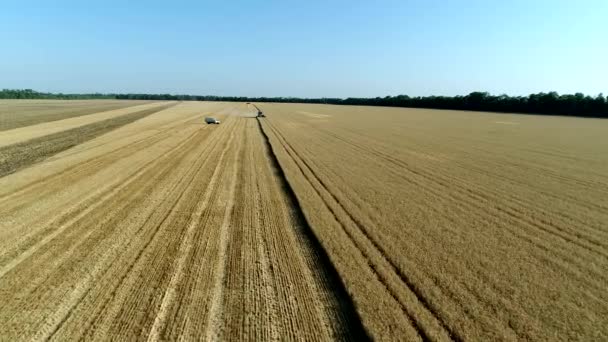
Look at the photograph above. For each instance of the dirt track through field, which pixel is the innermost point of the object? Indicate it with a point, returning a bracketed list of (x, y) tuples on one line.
[(165, 228)]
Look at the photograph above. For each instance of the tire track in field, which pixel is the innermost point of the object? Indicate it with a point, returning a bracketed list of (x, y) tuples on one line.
[(421, 327), (351, 322)]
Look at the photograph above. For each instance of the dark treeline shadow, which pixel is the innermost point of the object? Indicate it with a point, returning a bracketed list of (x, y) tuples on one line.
[(550, 103)]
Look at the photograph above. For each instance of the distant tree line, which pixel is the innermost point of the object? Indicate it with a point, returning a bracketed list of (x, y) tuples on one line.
[(32, 94), (225, 98), (542, 103)]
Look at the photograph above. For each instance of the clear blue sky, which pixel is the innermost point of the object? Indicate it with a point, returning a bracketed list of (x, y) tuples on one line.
[(306, 48)]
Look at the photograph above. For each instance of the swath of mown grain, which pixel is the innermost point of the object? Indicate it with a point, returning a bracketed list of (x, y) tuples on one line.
[(20, 113), (23, 154)]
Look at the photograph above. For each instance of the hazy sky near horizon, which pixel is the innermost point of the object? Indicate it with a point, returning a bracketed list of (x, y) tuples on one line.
[(306, 48)]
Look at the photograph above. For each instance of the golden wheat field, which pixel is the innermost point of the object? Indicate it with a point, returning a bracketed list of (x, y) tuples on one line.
[(137, 221)]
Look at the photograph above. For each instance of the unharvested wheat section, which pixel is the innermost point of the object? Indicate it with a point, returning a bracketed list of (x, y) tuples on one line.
[(451, 225)]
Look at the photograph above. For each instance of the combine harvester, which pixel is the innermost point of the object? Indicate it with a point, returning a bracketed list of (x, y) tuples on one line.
[(260, 113)]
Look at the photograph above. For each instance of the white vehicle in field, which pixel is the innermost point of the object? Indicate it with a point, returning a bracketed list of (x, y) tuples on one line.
[(210, 120)]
